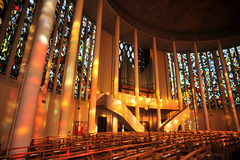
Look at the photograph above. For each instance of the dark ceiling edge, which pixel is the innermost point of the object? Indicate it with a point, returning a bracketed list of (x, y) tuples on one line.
[(168, 35)]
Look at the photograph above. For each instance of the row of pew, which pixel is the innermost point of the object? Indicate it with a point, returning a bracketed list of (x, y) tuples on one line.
[(132, 145)]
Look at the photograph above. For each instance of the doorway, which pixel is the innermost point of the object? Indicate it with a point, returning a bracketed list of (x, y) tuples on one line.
[(102, 124)]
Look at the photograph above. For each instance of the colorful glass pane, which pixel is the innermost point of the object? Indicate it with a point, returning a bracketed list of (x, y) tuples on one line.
[(50, 42), (3, 8), (171, 76), (56, 51), (91, 61), (80, 58), (10, 34), (187, 95), (64, 49), (196, 82), (23, 39), (86, 61)]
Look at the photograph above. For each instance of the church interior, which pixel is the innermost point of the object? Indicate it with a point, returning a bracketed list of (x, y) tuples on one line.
[(119, 79)]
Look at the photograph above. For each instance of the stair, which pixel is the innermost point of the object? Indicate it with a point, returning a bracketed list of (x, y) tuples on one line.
[(122, 110), (172, 123)]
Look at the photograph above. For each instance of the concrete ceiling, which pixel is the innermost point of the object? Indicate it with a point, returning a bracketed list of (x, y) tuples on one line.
[(183, 21)]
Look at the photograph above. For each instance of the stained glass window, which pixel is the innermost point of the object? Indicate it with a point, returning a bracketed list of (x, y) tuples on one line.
[(56, 51), (23, 39), (64, 49), (223, 80), (86, 61), (171, 75), (127, 51), (10, 34), (91, 61), (196, 82), (80, 58), (188, 91), (50, 42), (58, 46), (233, 72)]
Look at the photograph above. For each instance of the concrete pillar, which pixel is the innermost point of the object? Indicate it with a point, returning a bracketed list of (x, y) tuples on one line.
[(180, 101), (204, 106), (116, 69), (228, 85), (116, 57), (22, 133), (222, 93), (70, 70), (92, 128), (157, 83), (136, 74), (194, 99)]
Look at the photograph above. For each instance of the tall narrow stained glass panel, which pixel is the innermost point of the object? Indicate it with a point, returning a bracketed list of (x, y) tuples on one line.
[(86, 61), (50, 42), (3, 9), (64, 49), (80, 58), (56, 51), (10, 33), (23, 39)]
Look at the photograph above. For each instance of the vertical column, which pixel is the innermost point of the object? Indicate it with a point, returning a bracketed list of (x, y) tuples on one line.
[(116, 69), (157, 83), (222, 93), (204, 106), (23, 128), (93, 97), (205, 80), (136, 74), (116, 59), (193, 89), (180, 101), (228, 85), (70, 69)]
